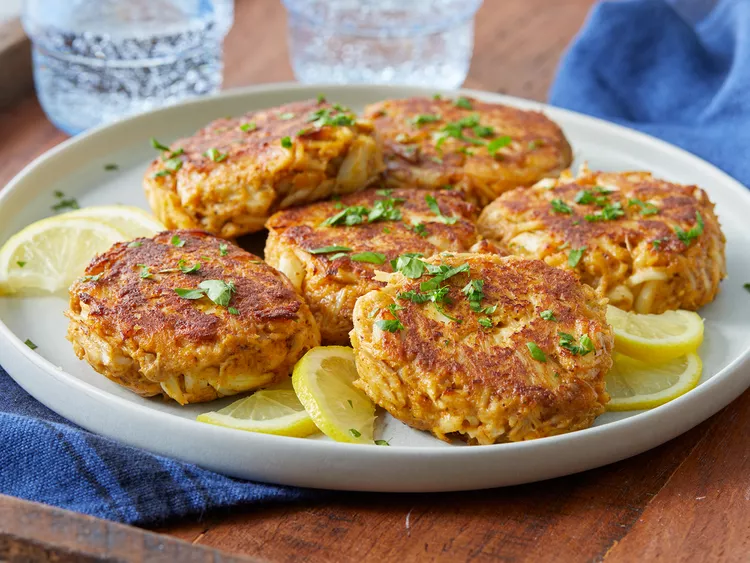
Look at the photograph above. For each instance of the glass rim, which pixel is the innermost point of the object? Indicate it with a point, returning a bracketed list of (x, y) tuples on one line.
[(384, 31)]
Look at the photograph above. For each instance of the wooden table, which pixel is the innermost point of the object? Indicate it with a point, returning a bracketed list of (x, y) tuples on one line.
[(688, 500)]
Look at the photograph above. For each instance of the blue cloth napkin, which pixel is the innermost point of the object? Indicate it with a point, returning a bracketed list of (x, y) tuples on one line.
[(677, 70), (47, 459)]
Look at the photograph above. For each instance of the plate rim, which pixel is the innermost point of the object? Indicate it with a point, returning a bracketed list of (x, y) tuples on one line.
[(641, 420)]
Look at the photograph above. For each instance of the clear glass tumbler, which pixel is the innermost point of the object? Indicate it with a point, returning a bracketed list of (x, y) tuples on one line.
[(420, 42), (99, 60)]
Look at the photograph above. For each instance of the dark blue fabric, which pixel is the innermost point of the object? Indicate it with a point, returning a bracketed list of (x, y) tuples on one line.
[(47, 459), (648, 65)]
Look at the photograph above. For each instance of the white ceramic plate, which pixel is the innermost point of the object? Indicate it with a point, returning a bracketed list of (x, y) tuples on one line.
[(415, 462)]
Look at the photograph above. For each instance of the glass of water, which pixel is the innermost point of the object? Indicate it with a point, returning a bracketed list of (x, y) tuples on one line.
[(419, 42), (96, 61)]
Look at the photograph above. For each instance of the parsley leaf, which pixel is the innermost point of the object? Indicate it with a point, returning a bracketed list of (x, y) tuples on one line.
[(420, 229), (391, 325), (189, 293), (94, 278), (252, 126), (185, 269), (425, 118), (385, 192), (747, 286), (588, 197), (536, 352), (496, 144), (21, 263), (286, 142), (354, 432), (486, 322), (223, 249), (646, 208), (548, 315), (349, 216), (693, 233), (370, 257), (218, 291), (442, 273), (65, 203), (559, 206), (177, 241), (215, 155), (568, 341), (439, 295), (30, 344), (574, 256), (382, 443), (135, 244), (464, 103), (435, 208), (111, 167), (158, 146), (286, 116), (145, 271), (657, 242), (609, 212), (385, 210), (233, 311), (326, 117), (409, 265), (327, 249)]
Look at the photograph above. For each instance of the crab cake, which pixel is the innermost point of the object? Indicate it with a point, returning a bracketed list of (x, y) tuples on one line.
[(232, 175), (187, 316), (486, 348), (482, 149), (646, 244), (332, 250)]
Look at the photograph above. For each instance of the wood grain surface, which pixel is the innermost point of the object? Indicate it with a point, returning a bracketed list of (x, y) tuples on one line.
[(688, 500)]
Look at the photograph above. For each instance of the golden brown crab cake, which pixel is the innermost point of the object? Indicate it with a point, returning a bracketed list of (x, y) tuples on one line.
[(233, 174), (332, 264), (500, 349), (481, 148), (646, 244), (188, 316)]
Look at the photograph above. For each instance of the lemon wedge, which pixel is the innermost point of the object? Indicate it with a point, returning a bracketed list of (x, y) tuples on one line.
[(656, 338), (48, 255), (133, 222), (323, 380), (270, 411), (634, 385)]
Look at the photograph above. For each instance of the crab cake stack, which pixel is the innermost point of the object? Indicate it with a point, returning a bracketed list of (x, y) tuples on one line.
[(188, 316), (481, 148), (233, 174), (486, 348), (332, 250), (646, 244)]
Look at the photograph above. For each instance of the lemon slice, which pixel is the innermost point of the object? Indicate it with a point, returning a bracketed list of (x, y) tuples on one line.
[(323, 381), (270, 411), (49, 254), (133, 222), (634, 385), (656, 338)]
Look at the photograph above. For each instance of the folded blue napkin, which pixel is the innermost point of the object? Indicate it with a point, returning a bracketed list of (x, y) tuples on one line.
[(47, 459), (678, 70)]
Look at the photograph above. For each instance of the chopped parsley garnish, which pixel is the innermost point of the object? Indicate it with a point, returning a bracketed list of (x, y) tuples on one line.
[(657, 242), (218, 291), (385, 210), (354, 432), (173, 164), (286, 116), (465, 150), (185, 269), (437, 97), (385, 192), (30, 344), (536, 352), (559, 206), (161, 173), (609, 212), (382, 442), (441, 273), (93, 278), (158, 146), (386, 230), (325, 116), (286, 142), (439, 295), (409, 265), (548, 315), (65, 203), (391, 325), (327, 249), (21, 263), (111, 167), (485, 322), (233, 311), (370, 257), (456, 130), (485, 131), (588, 197), (473, 292), (223, 249), (464, 103), (574, 256), (215, 155), (747, 286), (435, 208), (321, 98), (646, 208), (425, 118), (349, 216), (693, 233), (145, 271), (447, 187), (420, 229), (135, 244), (252, 126), (177, 241), (496, 144), (568, 341), (443, 312)]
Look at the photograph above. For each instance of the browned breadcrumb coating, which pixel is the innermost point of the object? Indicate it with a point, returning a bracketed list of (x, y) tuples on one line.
[(479, 380), (411, 130), (233, 174), (129, 323), (636, 258), (331, 282)]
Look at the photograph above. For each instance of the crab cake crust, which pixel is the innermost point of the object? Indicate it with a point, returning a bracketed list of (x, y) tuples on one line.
[(331, 282), (537, 147), (637, 261), (252, 175), (139, 333), (482, 383)]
